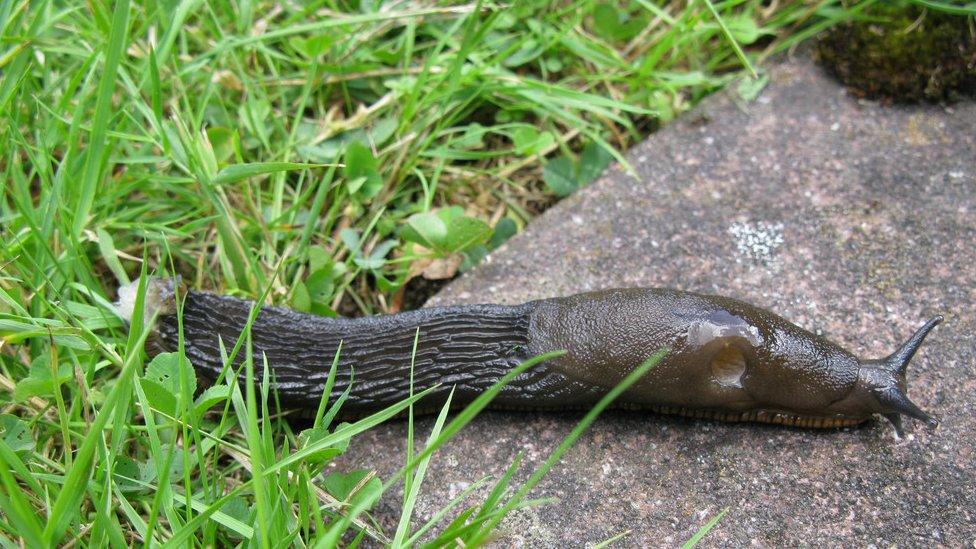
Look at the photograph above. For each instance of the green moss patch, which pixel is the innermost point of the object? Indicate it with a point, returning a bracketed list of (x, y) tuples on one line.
[(903, 54)]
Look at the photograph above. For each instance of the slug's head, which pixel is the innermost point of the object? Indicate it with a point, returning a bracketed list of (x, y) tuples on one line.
[(881, 387), (792, 376)]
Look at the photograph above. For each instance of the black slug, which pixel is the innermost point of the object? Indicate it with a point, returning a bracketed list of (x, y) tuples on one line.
[(728, 360)]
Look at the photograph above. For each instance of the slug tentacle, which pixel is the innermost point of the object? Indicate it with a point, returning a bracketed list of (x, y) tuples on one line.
[(885, 379), (899, 359)]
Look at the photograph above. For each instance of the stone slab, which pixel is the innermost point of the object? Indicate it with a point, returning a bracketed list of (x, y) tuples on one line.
[(850, 218)]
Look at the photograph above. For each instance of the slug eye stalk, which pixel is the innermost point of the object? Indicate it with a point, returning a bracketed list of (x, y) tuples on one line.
[(899, 359)]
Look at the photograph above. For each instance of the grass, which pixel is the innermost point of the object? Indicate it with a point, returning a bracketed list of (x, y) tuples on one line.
[(319, 155)]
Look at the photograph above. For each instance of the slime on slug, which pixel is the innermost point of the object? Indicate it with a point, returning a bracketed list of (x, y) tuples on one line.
[(728, 360)]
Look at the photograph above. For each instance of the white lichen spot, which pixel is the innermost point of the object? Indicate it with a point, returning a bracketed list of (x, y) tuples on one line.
[(757, 241), (956, 174)]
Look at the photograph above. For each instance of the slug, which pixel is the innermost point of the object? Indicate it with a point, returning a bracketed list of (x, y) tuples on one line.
[(728, 360)]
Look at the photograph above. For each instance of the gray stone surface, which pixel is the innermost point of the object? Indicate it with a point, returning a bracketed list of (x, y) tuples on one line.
[(850, 218)]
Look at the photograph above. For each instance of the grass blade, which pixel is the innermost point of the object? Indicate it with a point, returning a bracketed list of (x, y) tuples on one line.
[(17, 508), (704, 530), (240, 172), (568, 442), (76, 479), (91, 176), (731, 39)]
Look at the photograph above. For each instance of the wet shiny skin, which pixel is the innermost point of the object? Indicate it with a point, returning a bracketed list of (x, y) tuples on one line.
[(783, 367), (727, 359)]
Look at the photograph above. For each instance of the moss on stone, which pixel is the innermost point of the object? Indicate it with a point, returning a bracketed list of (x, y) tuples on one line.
[(903, 54)]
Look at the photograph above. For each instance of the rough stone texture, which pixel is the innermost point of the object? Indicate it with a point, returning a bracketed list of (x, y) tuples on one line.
[(847, 217)]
